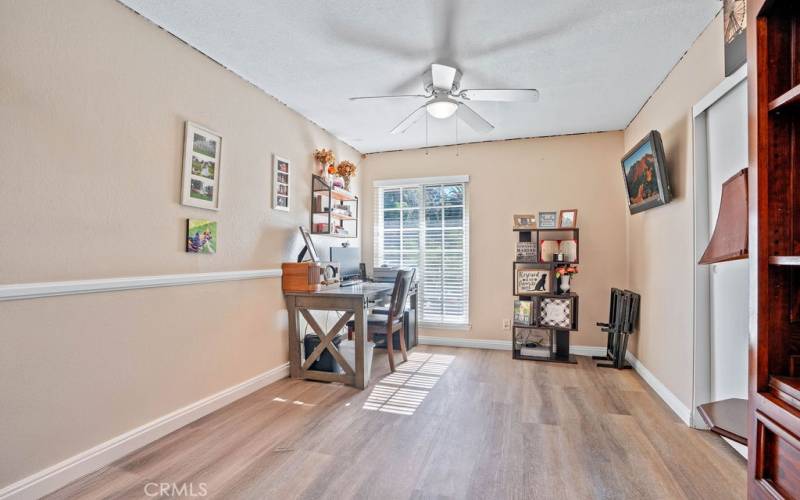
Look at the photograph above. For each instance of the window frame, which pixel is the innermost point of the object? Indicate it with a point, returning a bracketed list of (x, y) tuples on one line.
[(433, 319)]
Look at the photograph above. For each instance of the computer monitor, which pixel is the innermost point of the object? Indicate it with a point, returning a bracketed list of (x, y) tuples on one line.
[(312, 253), (349, 260)]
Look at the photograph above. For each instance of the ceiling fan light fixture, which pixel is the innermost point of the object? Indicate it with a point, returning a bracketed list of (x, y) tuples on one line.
[(442, 108)]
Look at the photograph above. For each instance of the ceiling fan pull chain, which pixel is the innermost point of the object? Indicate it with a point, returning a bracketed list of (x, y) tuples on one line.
[(427, 141), (458, 145)]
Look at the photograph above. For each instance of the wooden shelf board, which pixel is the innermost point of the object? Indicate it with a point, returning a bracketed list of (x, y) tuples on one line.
[(340, 195), (787, 385), (335, 215), (552, 359), (727, 418), (785, 260), (557, 264), (546, 229), (789, 98)]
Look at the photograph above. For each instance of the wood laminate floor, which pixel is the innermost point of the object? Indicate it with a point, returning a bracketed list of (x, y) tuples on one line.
[(455, 423)]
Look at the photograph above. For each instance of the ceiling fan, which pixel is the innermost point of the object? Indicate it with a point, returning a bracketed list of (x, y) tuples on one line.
[(446, 98)]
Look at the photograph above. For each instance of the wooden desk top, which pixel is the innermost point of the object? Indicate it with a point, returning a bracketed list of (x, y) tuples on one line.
[(368, 290)]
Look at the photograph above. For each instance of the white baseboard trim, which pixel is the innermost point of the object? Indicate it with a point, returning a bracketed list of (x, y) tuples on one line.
[(59, 475), (502, 345), (55, 288), (675, 404)]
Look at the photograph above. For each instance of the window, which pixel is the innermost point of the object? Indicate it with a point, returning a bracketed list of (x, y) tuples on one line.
[(425, 225)]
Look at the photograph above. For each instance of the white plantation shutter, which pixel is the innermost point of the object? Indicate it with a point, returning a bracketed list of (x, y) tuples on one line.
[(425, 225)]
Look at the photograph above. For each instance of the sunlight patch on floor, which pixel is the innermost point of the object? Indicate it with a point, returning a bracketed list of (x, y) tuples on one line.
[(403, 391)]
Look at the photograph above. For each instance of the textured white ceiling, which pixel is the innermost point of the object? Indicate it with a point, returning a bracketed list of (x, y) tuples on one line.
[(594, 62)]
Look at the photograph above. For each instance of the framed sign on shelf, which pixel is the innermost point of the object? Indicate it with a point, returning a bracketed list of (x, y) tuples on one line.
[(531, 279)]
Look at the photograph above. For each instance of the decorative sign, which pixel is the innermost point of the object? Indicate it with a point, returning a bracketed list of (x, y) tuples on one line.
[(532, 281), (548, 220)]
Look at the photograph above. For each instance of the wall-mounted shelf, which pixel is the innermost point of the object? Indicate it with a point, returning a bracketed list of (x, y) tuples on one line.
[(338, 219)]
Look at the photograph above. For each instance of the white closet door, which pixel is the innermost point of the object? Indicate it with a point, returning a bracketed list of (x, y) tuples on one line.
[(727, 154)]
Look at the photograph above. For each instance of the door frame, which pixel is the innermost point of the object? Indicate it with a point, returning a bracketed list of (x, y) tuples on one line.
[(701, 352)]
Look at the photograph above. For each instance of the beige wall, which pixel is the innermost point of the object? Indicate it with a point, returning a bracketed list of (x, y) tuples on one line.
[(661, 265), (92, 108), (518, 177)]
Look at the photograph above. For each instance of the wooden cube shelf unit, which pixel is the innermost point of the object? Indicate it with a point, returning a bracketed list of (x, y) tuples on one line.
[(558, 336), (339, 220)]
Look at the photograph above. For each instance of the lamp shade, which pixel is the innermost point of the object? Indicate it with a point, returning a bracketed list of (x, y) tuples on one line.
[(729, 241)]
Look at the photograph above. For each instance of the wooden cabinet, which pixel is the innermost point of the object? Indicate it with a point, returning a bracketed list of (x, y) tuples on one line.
[(774, 125)]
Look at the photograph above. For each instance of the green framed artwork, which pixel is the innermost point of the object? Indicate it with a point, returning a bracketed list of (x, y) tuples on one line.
[(201, 236)]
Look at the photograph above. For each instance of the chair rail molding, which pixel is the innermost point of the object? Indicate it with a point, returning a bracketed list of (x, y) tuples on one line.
[(24, 291)]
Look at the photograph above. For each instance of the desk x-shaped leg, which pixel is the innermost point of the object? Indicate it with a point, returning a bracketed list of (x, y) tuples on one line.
[(326, 341)]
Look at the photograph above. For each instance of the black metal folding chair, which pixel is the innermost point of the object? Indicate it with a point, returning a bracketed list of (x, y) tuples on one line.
[(623, 311)]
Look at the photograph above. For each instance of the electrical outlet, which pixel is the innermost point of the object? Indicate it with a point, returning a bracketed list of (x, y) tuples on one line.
[(506, 324)]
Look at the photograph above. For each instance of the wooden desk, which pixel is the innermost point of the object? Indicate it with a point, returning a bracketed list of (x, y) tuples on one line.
[(353, 301)]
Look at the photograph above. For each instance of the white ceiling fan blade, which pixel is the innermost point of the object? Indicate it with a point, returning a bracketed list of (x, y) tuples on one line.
[(409, 120), (387, 96), (443, 76), (500, 95), (475, 121)]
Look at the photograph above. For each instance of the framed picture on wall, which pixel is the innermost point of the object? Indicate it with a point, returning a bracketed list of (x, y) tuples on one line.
[(281, 175), (201, 236), (202, 165)]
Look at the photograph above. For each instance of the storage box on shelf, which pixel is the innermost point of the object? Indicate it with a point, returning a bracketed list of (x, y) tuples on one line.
[(334, 211)]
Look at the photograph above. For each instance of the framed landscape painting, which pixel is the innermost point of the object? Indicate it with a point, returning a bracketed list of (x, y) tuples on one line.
[(201, 167)]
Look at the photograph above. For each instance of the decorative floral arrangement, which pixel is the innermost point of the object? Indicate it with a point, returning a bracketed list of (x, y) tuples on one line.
[(566, 271), (331, 169), (325, 156), (346, 169)]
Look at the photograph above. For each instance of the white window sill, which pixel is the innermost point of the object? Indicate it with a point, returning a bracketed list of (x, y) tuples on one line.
[(446, 326)]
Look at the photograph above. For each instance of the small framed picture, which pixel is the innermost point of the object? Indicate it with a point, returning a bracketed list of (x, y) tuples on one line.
[(202, 165), (201, 236), (281, 175), (524, 312), (525, 221), (547, 220), (568, 218), (531, 279), (557, 312)]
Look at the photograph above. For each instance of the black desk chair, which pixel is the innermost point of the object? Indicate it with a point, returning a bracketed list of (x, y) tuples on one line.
[(380, 325)]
